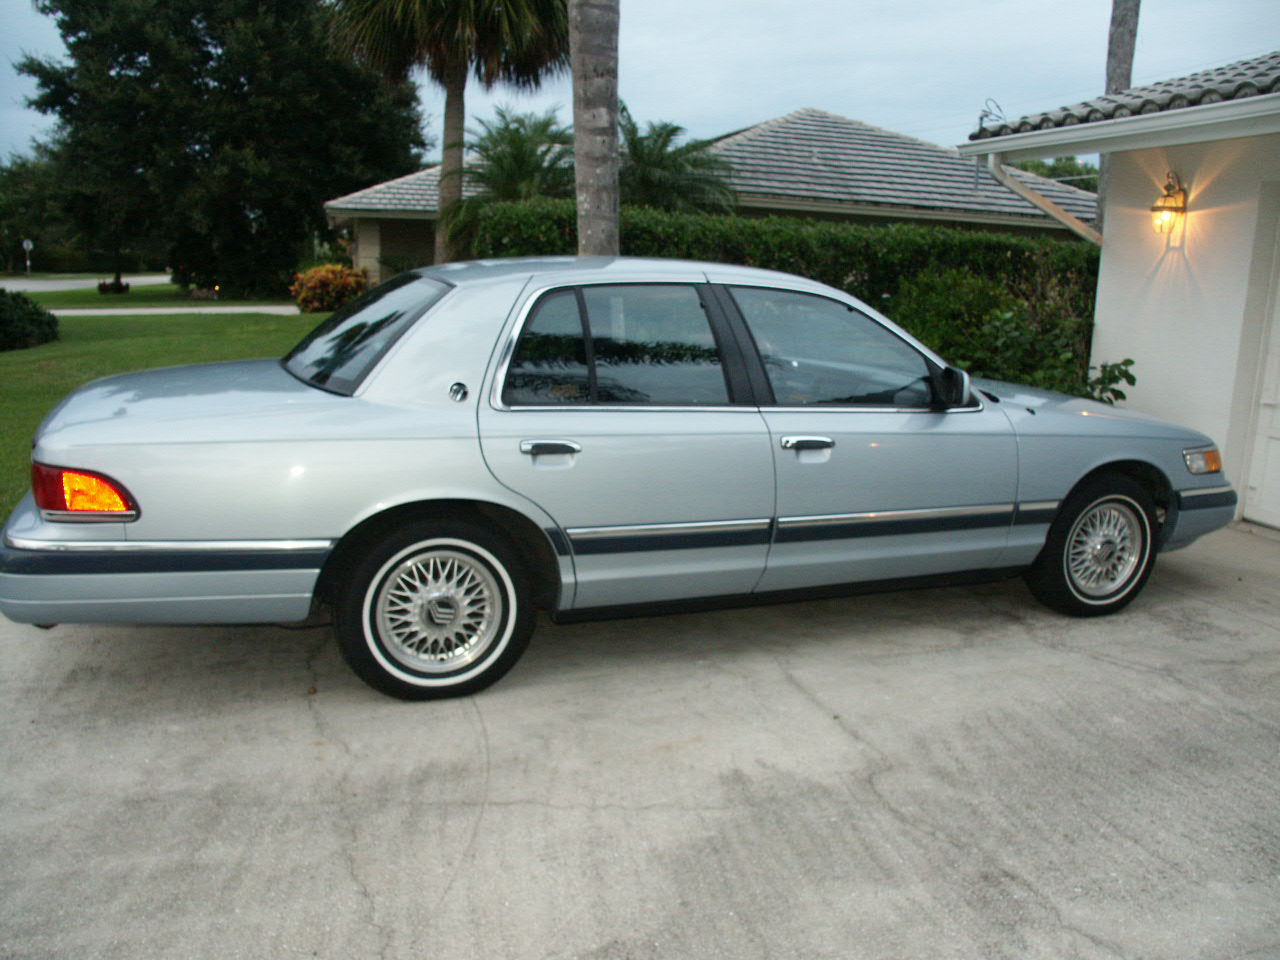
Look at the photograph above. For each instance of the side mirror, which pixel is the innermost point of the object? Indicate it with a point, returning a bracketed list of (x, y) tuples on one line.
[(951, 388)]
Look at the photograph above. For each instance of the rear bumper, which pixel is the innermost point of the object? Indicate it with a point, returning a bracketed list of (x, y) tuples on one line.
[(107, 581)]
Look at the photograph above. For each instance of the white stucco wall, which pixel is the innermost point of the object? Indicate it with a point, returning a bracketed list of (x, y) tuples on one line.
[(1191, 308)]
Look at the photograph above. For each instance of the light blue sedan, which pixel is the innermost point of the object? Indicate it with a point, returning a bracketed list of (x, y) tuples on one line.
[(471, 442)]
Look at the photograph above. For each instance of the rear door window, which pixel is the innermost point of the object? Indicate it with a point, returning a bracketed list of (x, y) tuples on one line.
[(618, 344)]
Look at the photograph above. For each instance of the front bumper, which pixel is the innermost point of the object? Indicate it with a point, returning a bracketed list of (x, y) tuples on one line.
[(1201, 511)]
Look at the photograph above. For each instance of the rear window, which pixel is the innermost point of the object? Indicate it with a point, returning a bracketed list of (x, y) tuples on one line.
[(339, 353)]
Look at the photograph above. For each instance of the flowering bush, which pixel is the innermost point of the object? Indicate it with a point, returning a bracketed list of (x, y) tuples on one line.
[(327, 287)]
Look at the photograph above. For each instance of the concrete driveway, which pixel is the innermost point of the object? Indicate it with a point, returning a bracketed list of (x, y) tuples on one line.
[(943, 774)]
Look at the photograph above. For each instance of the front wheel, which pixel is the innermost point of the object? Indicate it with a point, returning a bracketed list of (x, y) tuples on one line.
[(437, 609), (1100, 549)]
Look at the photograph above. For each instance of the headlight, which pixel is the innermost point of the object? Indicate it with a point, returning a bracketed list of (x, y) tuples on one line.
[(1203, 460)]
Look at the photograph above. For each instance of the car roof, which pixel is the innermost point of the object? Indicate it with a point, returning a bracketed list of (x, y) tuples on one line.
[(594, 269)]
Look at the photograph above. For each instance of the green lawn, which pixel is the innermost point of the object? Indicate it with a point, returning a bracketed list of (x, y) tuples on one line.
[(160, 295), (32, 381)]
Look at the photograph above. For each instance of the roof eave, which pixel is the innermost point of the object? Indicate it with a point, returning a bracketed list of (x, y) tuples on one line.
[(339, 214), (1228, 120), (756, 202)]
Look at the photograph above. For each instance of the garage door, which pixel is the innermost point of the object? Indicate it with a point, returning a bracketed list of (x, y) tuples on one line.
[(1262, 497)]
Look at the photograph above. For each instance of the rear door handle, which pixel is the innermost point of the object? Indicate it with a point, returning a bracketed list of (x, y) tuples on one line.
[(807, 443), (544, 448)]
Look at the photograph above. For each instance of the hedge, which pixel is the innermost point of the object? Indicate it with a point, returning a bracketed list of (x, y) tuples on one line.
[(869, 261), (951, 287)]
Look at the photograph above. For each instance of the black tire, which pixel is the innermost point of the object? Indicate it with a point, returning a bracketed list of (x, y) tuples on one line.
[(1100, 549), (436, 609)]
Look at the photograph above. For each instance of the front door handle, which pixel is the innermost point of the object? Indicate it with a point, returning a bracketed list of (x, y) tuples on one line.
[(546, 448), (807, 443)]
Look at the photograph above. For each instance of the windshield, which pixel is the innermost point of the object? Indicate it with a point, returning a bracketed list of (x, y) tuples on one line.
[(341, 351)]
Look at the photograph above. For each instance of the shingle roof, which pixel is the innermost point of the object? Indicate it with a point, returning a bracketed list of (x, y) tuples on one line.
[(1235, 81), (817, 156), (814, 158)]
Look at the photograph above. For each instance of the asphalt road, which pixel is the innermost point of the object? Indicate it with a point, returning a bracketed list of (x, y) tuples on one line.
[(46, 284), (943, 774)]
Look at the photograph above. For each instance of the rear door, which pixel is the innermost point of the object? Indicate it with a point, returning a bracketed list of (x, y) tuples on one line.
[(619, 413)]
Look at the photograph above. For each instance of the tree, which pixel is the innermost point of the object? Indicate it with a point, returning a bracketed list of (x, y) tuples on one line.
[(593, 37), (218, 126), (1068, 170), (498, 41), (29, 209), (1121, 40), (657, 170)]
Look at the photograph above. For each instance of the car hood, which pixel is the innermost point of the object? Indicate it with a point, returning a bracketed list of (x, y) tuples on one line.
[(1044, 412), (188, 402)]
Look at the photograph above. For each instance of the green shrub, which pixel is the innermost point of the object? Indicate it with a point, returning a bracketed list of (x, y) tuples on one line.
[(945, 309), (1032, 328), (1005, 345), (327, 287), (23, 323), (1103, 385)]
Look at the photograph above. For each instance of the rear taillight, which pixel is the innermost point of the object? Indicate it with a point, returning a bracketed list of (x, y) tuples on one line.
[(65, 494)]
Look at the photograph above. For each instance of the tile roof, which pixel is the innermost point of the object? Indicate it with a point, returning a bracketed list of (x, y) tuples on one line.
[(809, 159), (413, 194), (1235, 81), (811, 155)]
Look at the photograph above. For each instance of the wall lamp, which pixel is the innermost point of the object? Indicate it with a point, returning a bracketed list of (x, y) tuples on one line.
[(1172, 207)]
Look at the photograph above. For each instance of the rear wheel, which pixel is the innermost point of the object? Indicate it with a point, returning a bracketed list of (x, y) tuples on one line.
[(1100, 549), (437, 609)]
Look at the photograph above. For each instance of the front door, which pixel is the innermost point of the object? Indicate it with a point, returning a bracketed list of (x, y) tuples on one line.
[(874, 482)]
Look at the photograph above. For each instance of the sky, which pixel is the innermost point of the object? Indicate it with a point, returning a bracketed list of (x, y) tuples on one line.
[(924, 68)]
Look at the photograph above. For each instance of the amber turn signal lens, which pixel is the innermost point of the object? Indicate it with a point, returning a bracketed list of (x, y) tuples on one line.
[(76, 491)]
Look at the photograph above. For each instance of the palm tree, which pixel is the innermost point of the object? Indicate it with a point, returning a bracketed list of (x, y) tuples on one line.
[(514, 157), (519, 156), (593, 29), (1121, 40), (660, 171), (498, 41)]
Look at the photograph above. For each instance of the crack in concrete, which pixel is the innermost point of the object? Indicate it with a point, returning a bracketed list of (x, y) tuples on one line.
[(484, 803), (346, 815), (1167, 673)]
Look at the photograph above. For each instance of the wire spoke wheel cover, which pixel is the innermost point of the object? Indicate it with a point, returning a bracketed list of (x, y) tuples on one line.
[(1099, 550), (438, 610), (1105, 547)]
